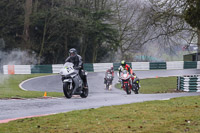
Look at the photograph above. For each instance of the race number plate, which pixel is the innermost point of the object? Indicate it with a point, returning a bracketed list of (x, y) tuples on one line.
[(69, 69)]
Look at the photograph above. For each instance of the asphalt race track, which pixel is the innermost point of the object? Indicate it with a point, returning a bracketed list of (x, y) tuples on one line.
[(22, 108)]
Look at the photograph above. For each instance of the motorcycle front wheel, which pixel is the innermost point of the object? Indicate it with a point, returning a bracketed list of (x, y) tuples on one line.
[(66, 90), (84, 93), (128, 91), (136, 89), (107, 86)]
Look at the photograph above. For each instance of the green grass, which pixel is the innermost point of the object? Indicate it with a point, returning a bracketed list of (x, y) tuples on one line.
[(157, 85), (9, 87), (177, 115)]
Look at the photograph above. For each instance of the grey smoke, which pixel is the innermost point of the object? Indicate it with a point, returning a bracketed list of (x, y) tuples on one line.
[(17, 57)]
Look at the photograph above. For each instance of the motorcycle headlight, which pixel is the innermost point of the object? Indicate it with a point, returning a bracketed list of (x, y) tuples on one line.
[(125, 75)]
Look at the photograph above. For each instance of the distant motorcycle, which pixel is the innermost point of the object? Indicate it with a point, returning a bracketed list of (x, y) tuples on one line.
[(126, 81), (72, 82), (108, 81), (136, 85)]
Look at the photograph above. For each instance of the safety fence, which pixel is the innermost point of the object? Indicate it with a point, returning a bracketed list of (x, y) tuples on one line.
[(101, 67), (190, 83), (157, 65)]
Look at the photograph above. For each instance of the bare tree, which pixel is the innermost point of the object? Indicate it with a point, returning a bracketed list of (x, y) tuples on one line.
[(167, 25), (131, 23)]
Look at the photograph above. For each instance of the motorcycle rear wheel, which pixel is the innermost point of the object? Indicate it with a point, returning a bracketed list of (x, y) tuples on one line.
[(66, 90)]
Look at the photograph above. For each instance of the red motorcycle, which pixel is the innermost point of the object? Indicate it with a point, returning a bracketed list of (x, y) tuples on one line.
[(126, 81)]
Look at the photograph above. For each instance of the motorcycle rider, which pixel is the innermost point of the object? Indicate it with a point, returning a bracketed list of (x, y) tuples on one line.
[(109, 71), (78, 64), (127, 67)]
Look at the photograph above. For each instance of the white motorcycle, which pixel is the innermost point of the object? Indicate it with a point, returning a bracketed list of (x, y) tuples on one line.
[(72, 82)]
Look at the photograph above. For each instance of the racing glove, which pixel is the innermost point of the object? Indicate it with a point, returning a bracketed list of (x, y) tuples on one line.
[(77, 68)]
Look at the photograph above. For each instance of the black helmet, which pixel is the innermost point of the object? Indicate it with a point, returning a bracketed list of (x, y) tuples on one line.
[(72, 52), (123, 63)]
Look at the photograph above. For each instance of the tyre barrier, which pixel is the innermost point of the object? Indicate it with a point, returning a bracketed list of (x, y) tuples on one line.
[(189, 83)]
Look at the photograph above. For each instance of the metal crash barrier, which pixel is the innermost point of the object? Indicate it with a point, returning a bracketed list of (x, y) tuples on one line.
[(189, 83)]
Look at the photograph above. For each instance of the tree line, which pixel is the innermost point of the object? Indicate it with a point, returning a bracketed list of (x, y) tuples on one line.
[(98, 29)]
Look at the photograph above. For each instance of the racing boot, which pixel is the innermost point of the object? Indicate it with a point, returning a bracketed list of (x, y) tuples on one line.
[(85, 84), (104, 80)]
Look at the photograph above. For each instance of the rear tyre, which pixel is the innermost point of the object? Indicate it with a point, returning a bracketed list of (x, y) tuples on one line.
[(128, 91), (66, 90)]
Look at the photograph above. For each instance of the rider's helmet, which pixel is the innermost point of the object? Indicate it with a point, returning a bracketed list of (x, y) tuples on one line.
[(72, 52), (123, 63)]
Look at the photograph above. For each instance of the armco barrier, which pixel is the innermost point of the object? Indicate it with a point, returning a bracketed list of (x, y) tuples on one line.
[(117, 65), (22, 69), (157, 65), (175, 65), (5, 69), (56, 68), (16, 69), (189, 83), (190, 64), (101, 67), (140, 65), (88, 67), (198, 65), (41, 68)]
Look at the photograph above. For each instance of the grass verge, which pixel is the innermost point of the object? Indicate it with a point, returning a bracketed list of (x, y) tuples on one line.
[(9, 87), (177, 115), (156, 85)]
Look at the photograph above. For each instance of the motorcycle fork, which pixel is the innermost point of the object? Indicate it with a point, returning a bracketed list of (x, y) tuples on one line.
[(125, 83), (130, 83), (71, 86)]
